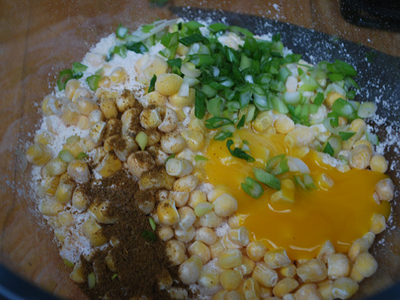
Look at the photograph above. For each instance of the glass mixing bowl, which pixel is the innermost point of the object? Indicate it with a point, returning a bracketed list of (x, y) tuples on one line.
[(40, 38)]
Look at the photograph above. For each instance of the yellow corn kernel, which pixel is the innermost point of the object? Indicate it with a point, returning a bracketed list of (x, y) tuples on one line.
[(196, 124), (79, 199), (307, 292), (154, 98), (189, 271), (230, 258), (78, 274), (65, 189), (288, 271), (178, 167), (206, 235), (230, 279), (313, 270), (262, 122), (240, 236), (118, 75), (51, 184), (109, 165), (286, 194), (360, 157), (300, 152), (182, 50), (194, 139), (209, 278), (109, 108), (95, 116), (186, 184), (185, 235), (167, 213), (50, 208), (201, 250), (326, 250), (139, 162), (364, 266), (251, 289), (332, 97), (196, 197), (344, 288), (43, 137), (75, 147), (164, 280), (38, 154), (385, 189), (299, 137), (172, 142), (93, 231), (168, 84), (81, 92), (325, 288), (234, 222), (338, 266), (225, 205), (79, 171), (276, 258), (99, 211), (148, 66), (70, 88), (65, 218), (283, 124), (378, 224), (85, 105), (56, 166), (285, 286), (247, 267), (109, 143), (104, 82), (265, 275), (217, 248), (124, 146), (359, 127), (210, 219), (175, 251), (156, 179), (47, 108), (83, 123), (378, 163), (361, 245), (180, 102), (70, 117), (110, 262), (151, 118)]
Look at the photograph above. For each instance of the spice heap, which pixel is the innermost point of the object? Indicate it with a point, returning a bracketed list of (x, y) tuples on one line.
[(186, 157)]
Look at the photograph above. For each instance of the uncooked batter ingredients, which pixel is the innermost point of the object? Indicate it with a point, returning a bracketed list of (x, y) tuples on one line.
[(191, 160)]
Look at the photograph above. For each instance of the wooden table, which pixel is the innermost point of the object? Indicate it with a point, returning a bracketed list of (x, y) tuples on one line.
[(38, 38)]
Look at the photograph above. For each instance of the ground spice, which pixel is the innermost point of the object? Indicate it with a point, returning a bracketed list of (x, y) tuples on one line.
[(137, 259)]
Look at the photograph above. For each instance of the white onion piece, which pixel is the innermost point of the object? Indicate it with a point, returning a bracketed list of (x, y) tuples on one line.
[(338, 89), (328, 126), (297, 165), (190, 80), (139, 35), (215, 71), (190, 72), (184, 90), (367, 109), (249, 78)]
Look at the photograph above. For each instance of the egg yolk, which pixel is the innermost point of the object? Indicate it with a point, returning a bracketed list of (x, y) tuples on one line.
[(341, 213)]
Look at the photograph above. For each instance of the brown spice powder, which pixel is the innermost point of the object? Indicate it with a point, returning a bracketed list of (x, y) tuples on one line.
[(138, 260)]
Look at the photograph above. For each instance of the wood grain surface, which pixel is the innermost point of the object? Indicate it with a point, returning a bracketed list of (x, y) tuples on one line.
[(40, 37)]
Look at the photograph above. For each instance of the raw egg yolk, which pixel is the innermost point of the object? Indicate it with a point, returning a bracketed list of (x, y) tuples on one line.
[(340, 214)]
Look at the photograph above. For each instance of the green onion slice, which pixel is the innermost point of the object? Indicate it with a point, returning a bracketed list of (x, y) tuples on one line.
[(252, 188), (93, 82), (152, 223), (149, 235), (346, 135), (122, 32), (82, 155), (309, 182), (200, 104), (68, 263), (91, 278), (216, 122), (299, 181), (78, 69), (267, 178), (372, 138), (66, 156), (367, 110), (115, 275), (274, 162), (239, 153), (199, 158), (63, 78), (241, 122), (142, 138), (223, 135), (152, 83), (138, 47), (332, 146), (169, 157)]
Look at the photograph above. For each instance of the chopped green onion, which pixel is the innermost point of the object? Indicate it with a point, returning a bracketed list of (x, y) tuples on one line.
[(93, 82), (199, 158), (66, 156), (239, 153), (203, 208), (372, 138), (274, 162), (115, 275), (152, 223), (241, 122), (346, 135), (82, 155), (148, 235), (138, 47), (78, 69), (210, 92), (193, 25), (215, 105), (63, 78), (343, 159), (333, 146), (141, 138), (121, 32), (91, 278), (299, 181), (223, 135), (244, 31), (68, 263), (200, 104), (252, 188), (279, 105), (283, 167), (284, 73), (309, 182), (194, 38), (367, 110), (176, 62), (335, 77), (217, 27), (319, 99), (344, 108), (152, 83), (99, 71), (216, 122), (267, 178), (328, 149)]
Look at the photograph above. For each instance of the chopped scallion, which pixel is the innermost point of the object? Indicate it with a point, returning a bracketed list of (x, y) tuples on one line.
[(141, 138), (152, 83), (93, 82), (66, 156), (267, 178), (252, 188), (223, 135), (239, 153), (152, 223), (216, 122), (91, 279), (63, 78)]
